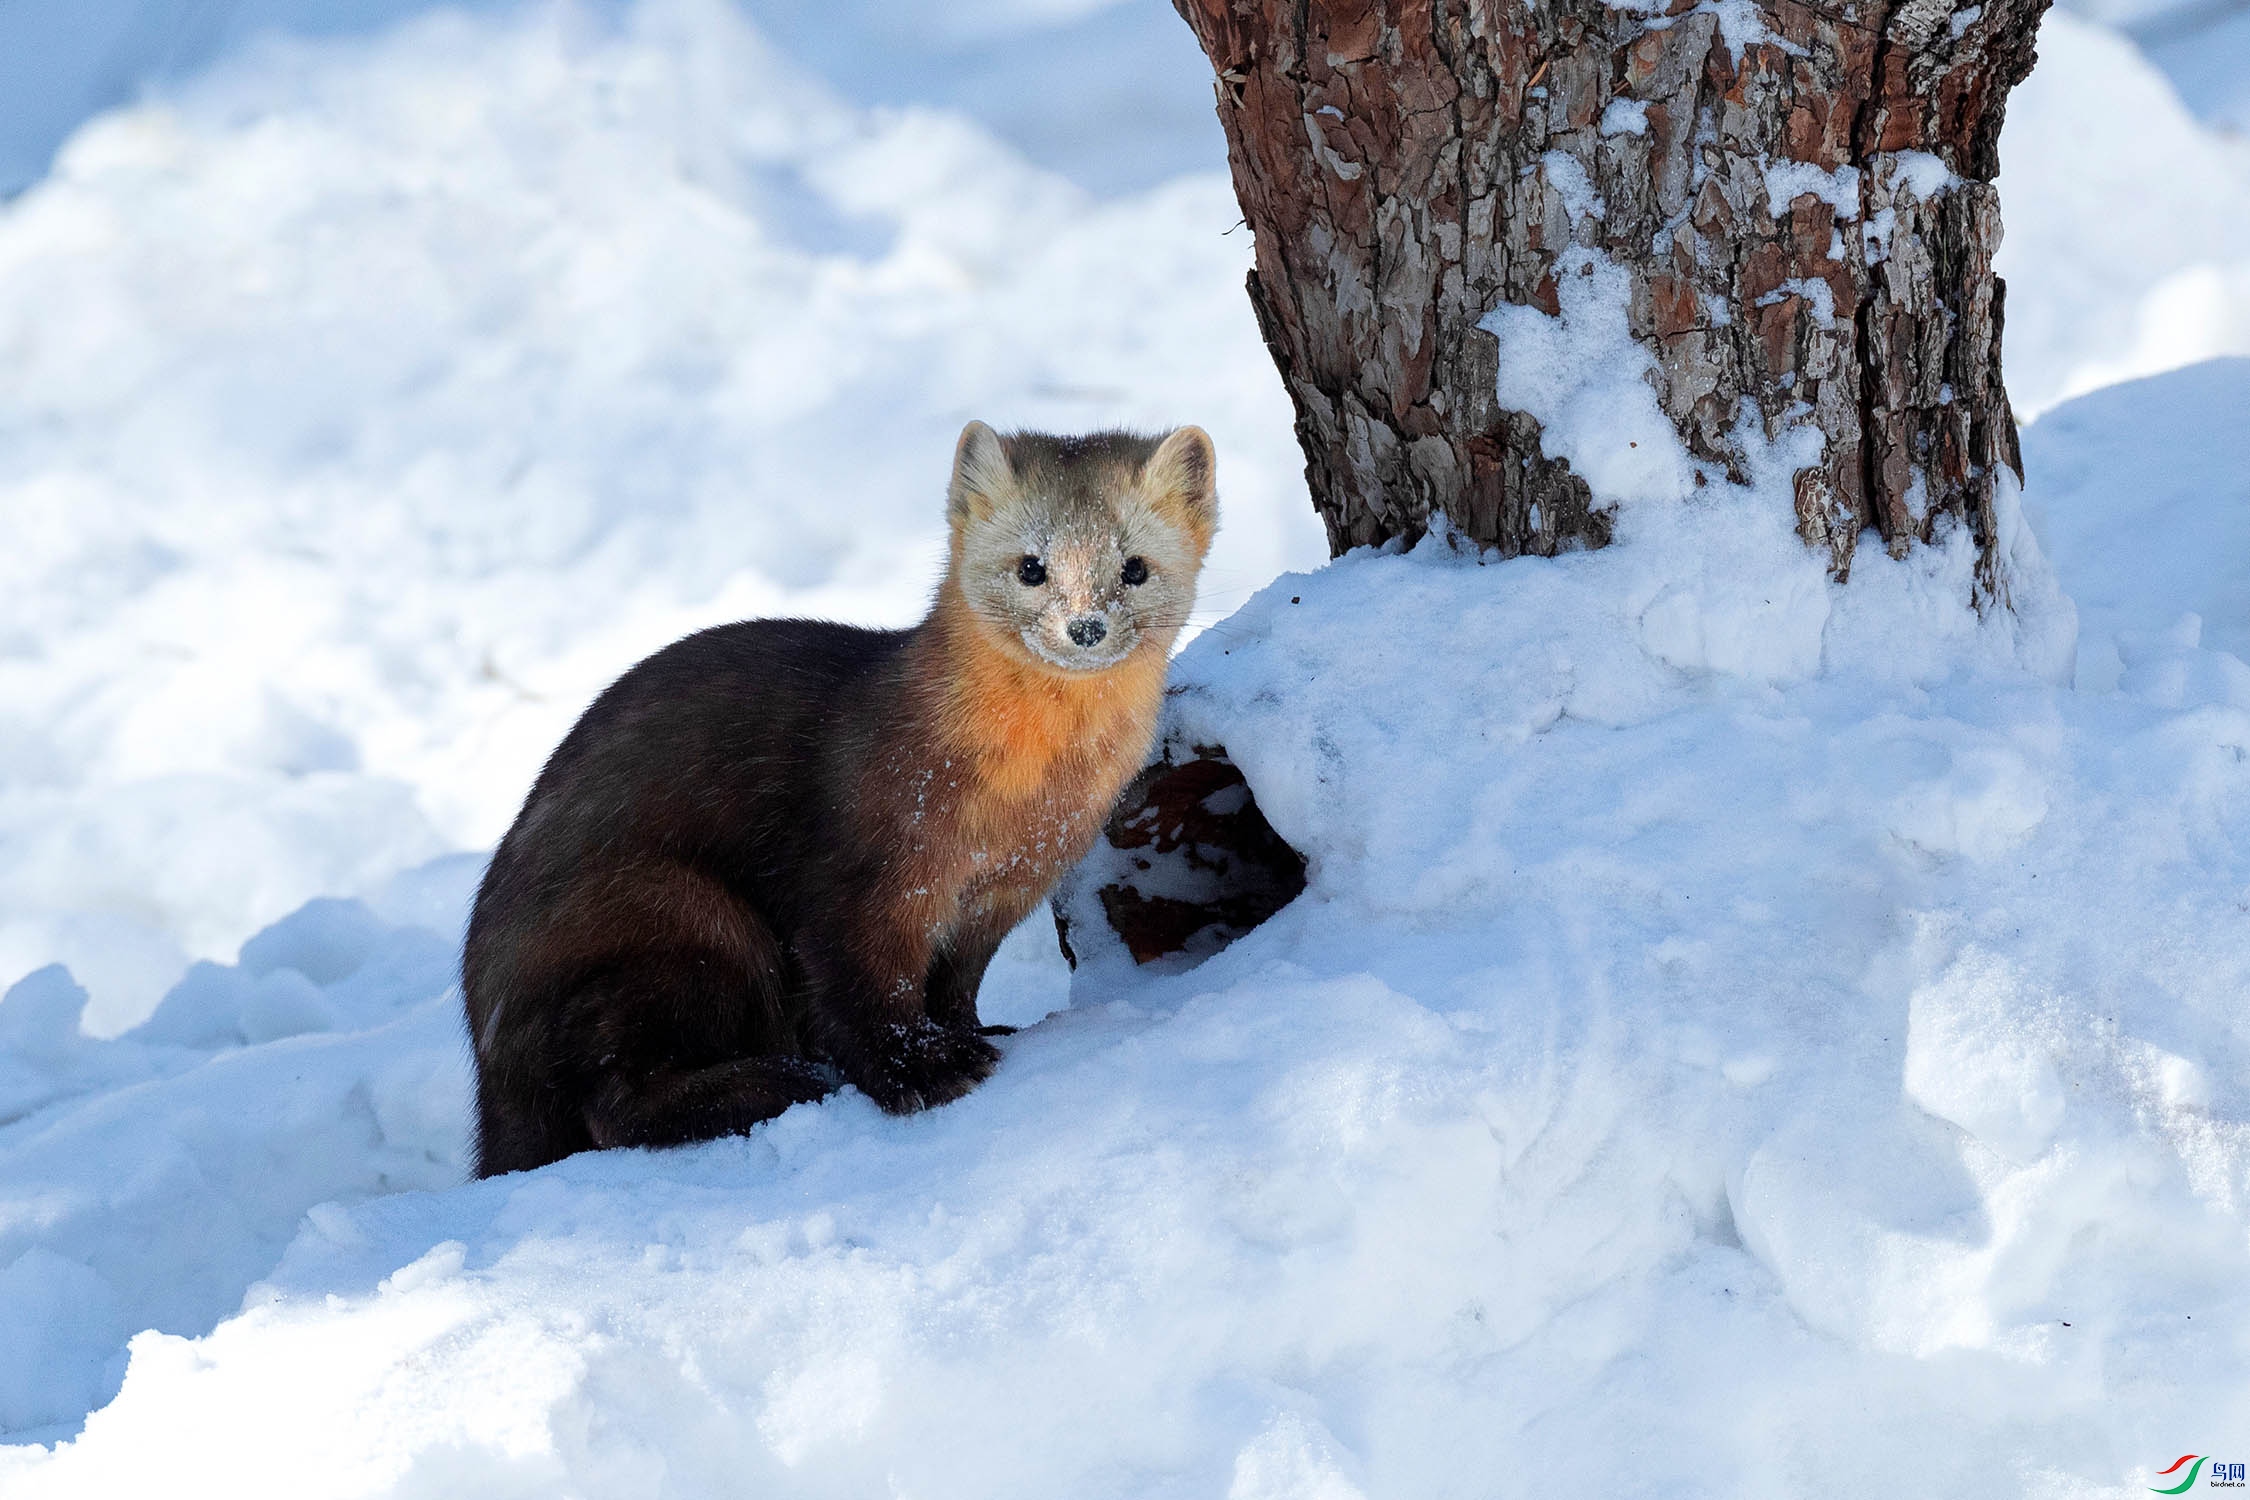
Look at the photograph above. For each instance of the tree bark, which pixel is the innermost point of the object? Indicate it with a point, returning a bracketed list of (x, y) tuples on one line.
[(1800, 195)]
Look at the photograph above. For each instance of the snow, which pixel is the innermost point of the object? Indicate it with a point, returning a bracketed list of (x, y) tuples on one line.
[(2127, 250), (1566, 175), (1787, 181), (1764, 1035), (2198, 45), (2201, 53), (2118, 480), (1622, 116), (1921, 174), (1582, 374), (1087, 88)]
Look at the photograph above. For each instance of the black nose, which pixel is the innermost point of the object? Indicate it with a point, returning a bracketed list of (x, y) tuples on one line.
[(1088, 631)]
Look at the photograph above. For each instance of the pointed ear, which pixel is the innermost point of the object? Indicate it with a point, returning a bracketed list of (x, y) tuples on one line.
[(1183, 474), (981, 475)]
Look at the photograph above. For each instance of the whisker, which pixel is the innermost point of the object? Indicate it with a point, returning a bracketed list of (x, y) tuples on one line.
[(1209, 627)]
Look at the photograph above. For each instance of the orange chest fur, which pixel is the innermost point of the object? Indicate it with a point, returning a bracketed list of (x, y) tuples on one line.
[(1048, 754)]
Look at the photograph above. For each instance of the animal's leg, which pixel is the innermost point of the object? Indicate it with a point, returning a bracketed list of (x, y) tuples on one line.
[(647, 1009), (955, 978), (672, 1108), (868, 1004)]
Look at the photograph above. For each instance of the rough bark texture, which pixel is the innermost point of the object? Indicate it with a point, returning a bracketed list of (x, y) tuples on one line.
[(1801, 196)]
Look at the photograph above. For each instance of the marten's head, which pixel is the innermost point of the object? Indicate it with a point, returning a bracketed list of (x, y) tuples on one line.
[(1079, 551)]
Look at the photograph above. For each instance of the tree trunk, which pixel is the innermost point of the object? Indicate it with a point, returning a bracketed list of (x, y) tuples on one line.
[(1801, 199)]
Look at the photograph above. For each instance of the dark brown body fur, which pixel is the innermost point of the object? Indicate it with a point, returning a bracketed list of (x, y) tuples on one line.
[(766, 849), (779, 855)]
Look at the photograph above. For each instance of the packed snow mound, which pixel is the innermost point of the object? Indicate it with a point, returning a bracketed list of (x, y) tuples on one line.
[(1830, 1075), (367, 407), (2141, 494), (148, 1179)]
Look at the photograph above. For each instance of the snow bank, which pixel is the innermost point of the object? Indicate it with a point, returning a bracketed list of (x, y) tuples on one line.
[(2200, 46), (2128, 224), (2141, 494), (1110, 94), (146, 1180)]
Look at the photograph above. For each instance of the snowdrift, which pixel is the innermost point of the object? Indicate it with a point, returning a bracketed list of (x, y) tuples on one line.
[(2128, 226), (1714, 1037)]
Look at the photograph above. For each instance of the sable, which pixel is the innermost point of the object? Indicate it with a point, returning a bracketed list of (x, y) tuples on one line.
[(778, 855)]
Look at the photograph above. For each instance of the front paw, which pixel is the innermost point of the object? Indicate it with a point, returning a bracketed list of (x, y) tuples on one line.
[(920, 1064)]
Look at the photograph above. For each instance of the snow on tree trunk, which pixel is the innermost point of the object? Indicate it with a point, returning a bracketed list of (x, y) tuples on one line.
[(1800, 200)]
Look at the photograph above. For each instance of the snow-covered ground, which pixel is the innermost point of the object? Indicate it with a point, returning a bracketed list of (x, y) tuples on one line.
[(1777, 1038)]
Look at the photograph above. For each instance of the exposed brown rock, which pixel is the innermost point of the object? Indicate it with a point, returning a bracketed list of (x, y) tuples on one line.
[(1187, 863)]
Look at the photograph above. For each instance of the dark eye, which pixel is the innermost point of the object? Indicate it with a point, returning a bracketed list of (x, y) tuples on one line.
[(1136, 572), (1032, 572)]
